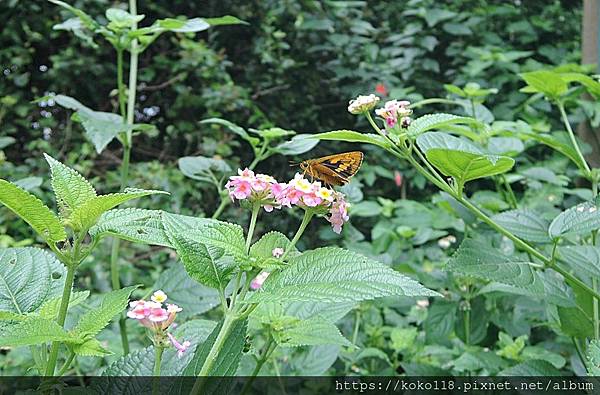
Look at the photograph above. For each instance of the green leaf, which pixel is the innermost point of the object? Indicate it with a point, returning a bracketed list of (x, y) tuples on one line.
[(32, 211), (525, 223), (70, 188), (29, 277), (202, 168), (262, 250), (353, 137), (227, 360), (95, 320), (314, 331), (186, 293), (50, 308), (225, 20), (460, 159), (192, 227), (205, 264), (91, 348), (299, 144), (547, 82), (34, 330), (234, 128), (87, 20), (138, 363), (575, 322), (100, 127), (532, 367), (132, 224), (578, 220), (10, 316), (121, 19), (585, 260), (335, 275), (439, 323), (510, 146), (86, 215), (593, 357), (559, 142), (438, 121), (477, 259)]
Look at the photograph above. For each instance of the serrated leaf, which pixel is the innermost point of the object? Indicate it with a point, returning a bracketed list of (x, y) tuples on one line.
[(460, 159), (51, 307), (186, 293), (335, 275), (310, 332), (479, 260), (593, 357), (95, 320), (585, 260), (525, 223), (575, 322), (206, 264), (70, 188), (222, 235), (91, 348), (28, 278), (132, 224), (34, 330), (86, 215), (577, 220), (437, 121), (353, 137), (33, 211), (121, 19)]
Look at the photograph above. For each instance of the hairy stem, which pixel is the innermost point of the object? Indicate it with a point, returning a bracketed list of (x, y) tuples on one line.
[(211, 358), (158, 352), (66, 365), (62, 314)]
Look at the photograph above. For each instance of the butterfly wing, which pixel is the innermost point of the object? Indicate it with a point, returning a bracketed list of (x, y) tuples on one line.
[(335, 169)]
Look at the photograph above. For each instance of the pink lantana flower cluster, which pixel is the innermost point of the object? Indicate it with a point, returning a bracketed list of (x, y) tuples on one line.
[(254, 188), (297, 192), (395, 112), (157, 318)]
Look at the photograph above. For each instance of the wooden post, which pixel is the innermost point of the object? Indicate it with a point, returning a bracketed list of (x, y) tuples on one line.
[(590, 54)]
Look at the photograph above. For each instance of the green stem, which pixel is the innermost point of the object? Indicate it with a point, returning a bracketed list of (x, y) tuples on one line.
[(270, 346), (511, 194), (308, 214), (158, 351), (565, 119), (62, 314), (356, 327), (224, 203), (211, 358), (67, 364), (433, 101), (127, 143), (255, 211), (120, 85)]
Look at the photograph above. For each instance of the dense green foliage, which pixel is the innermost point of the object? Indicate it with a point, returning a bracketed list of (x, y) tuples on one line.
[(294, 66)]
